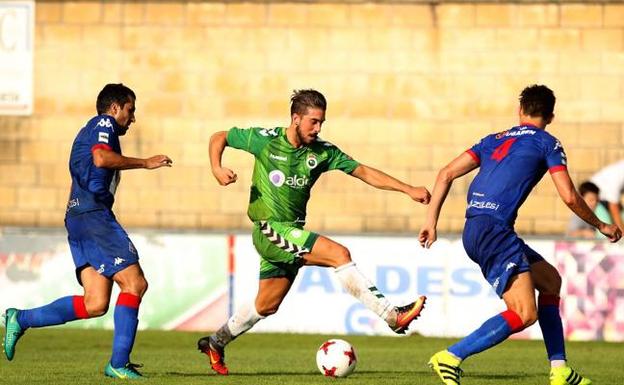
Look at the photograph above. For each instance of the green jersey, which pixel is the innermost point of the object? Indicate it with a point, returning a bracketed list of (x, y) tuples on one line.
[(284, 175)]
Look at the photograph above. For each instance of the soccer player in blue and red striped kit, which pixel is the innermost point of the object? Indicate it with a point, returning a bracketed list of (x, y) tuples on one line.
[(511, 163), (101, 249)]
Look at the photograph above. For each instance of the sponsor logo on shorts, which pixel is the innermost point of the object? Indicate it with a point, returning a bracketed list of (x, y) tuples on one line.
[(131, 248), (119, 261), (510, 266)]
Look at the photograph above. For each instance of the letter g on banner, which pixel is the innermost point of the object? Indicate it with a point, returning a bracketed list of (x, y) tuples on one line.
[(358, 320)]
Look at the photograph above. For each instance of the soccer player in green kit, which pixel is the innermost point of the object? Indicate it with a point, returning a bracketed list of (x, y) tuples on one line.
[(288, 163)]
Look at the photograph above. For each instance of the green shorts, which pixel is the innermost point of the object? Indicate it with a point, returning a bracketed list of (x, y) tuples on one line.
[(281, 247)]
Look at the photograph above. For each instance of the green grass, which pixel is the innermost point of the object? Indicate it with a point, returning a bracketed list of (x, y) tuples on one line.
[(69, 356)]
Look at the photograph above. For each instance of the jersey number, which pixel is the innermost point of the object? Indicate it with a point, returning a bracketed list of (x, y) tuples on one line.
[(502, 150)]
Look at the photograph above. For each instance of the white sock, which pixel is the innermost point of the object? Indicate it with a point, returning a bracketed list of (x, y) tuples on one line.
[(243, 319), (361, 288), (557, 363)]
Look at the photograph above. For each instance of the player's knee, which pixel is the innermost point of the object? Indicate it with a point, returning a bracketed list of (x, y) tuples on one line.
[(137, 286), (143, 287), (266, 310), (528, 316), (555, 283), (96, 307), (343, 256)]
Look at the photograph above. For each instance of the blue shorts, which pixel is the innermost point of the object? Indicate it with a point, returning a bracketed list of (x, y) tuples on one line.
[(96, 239), (498, 250)]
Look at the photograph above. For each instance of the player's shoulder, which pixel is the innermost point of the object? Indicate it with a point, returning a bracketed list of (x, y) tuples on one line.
[(102, 122), (549, 140), (268, 133), (321, 146)]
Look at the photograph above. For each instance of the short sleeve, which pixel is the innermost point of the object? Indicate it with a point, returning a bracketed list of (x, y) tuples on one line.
[(251, 140), (475, 151), (556, 159), (338, 160), (102, 134)]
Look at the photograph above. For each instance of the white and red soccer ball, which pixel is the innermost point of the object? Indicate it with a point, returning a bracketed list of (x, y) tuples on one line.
[(336, 358)]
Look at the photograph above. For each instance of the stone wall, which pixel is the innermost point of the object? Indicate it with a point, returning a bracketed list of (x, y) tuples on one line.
[(409, 86)]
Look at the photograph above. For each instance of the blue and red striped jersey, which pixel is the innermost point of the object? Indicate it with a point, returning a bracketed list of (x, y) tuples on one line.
[(511, 163)]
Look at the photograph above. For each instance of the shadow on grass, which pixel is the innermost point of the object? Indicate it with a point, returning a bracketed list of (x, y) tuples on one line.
[(509, 376), (368, 373)]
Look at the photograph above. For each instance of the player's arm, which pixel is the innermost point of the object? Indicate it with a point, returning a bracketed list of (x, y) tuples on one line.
[(383, 181), (616, 214), (218, 143), (106, 158), (577, 204), (458, 167)]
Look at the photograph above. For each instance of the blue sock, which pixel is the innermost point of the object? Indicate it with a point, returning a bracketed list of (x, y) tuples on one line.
[(492, 332), (126, 322), (550, 323), (62, 310)]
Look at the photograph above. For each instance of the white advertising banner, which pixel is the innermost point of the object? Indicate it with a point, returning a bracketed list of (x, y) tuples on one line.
[(187, 277), (458, 297), (16, 57)]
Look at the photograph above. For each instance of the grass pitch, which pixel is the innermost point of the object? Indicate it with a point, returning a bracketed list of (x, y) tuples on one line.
[(71, 356)]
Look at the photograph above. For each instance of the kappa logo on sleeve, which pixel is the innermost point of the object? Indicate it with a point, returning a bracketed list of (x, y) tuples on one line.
[(103, 137), (558, 146)]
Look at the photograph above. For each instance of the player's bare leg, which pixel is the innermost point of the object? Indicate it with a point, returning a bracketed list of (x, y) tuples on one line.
[(97, 291), (548, 283), (271, 293), (327, 252)]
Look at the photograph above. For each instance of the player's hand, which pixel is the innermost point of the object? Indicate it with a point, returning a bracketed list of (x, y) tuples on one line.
[(612, 232), (224, 176), (420, 194), (158, 161), (427, 236)]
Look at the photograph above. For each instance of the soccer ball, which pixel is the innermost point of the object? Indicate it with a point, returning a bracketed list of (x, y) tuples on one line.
[(336, 358)]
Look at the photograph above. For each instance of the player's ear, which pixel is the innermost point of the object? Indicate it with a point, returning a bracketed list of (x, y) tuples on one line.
[(113, 109)]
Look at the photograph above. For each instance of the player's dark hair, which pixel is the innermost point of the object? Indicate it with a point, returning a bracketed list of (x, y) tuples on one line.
[(538, 100), (301, 100), (587, 187), (113, 93)]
